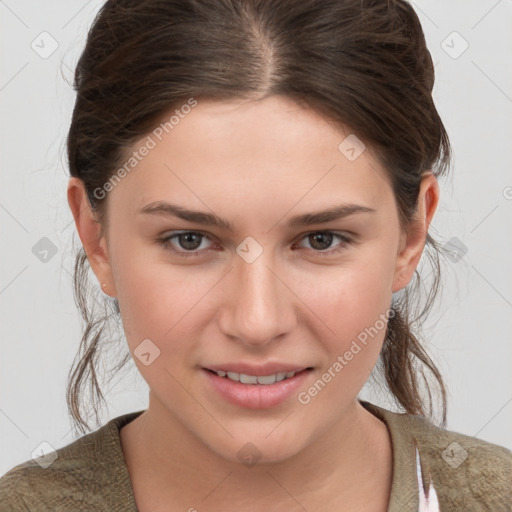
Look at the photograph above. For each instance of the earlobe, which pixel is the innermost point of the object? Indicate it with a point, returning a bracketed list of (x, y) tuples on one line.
[(90, 233), (413, 243)]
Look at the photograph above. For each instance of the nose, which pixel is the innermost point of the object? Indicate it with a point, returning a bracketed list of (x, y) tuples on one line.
[(260, 306)]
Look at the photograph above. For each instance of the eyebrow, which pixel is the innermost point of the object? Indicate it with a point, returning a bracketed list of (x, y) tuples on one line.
[(210, 219)]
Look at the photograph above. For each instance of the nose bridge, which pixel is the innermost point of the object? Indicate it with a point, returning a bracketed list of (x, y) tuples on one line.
[(258, 303)]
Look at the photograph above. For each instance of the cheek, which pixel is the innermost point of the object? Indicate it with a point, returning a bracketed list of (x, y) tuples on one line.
[(354, 303), (352, 296), (164, 303)]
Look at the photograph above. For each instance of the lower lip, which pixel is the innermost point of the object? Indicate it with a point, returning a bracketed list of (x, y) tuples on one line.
[(256, 396)]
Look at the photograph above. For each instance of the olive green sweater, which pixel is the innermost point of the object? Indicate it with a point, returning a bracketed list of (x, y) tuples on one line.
[(90, 473)]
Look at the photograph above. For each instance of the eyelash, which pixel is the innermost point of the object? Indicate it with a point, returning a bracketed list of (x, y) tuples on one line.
[(165, 242)]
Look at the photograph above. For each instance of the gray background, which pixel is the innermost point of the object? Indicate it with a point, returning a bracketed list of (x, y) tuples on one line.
[(469, 332)]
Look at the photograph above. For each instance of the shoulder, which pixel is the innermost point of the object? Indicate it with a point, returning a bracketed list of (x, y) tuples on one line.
[(456, 450), (58, 477), (468, 473), (79, 476), (466, 469)]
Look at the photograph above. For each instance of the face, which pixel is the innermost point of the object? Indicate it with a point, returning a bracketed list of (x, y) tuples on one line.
[(270, 288)]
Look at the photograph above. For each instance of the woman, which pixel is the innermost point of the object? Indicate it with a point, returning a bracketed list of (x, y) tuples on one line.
[(253, 183)]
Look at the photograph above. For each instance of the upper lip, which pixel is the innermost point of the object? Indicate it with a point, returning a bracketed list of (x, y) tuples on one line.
[(270, 368)]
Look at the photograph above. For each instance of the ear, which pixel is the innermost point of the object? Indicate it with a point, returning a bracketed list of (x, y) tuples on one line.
[(413, 243), (89, 230)]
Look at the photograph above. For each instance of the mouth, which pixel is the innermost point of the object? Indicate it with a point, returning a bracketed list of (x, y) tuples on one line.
[(255, 388), (265, 380)]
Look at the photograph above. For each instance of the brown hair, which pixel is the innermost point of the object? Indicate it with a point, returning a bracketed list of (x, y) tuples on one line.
[(360, 63)]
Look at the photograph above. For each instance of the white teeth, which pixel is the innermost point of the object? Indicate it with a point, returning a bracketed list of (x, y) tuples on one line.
[(267, 379), (248, 379), (252, 379)]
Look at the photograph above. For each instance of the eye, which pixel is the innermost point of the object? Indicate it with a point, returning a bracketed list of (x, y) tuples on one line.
[(322, 240), (189, 241)]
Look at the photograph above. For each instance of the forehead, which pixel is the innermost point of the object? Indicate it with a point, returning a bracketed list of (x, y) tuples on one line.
[(263, 152)]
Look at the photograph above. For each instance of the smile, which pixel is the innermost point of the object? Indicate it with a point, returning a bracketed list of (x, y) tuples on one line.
[(253, 379), (251, 391)]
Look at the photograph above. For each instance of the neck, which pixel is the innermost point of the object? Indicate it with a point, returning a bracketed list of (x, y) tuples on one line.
[(169, 464)]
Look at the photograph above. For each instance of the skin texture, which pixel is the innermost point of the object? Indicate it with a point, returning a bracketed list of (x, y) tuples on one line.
[(256, 164)]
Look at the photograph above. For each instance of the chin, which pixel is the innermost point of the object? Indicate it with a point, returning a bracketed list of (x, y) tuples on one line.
[(258, 447)]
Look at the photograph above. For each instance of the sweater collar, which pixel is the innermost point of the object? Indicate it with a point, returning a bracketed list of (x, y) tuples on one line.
[(404, 487)]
